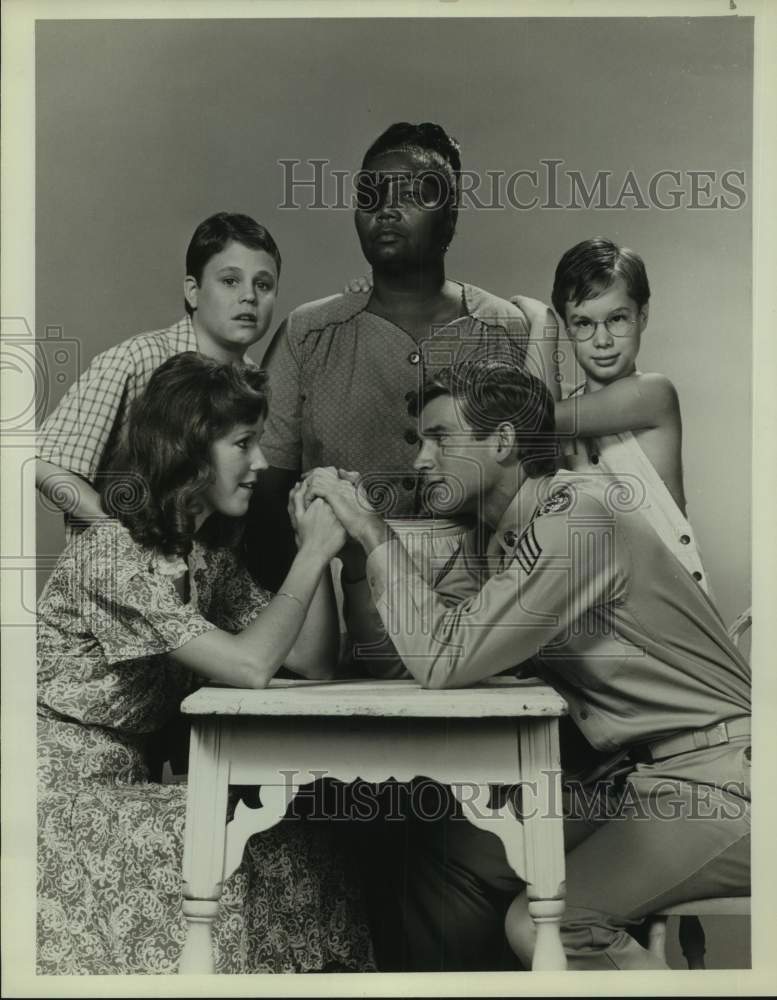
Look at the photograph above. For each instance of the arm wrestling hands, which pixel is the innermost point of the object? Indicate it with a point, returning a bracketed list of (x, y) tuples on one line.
[(342, 492)]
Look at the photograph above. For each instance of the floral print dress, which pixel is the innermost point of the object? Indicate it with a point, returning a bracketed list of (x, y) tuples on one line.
[(110, 841)]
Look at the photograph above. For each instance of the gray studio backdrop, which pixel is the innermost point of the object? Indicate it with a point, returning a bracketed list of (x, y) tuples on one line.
[(144, 128)]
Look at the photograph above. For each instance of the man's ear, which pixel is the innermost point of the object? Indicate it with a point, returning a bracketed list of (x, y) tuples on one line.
[(506, 441), (190, 289), (644, 313)]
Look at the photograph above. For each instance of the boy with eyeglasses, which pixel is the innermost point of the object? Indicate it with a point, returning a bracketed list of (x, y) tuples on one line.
[(620, 420)]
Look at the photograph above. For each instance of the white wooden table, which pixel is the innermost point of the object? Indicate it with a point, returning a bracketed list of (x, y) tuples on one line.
[(501, 732)]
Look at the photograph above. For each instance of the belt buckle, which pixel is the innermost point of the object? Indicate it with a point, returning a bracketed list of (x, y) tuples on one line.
[(718, 735)]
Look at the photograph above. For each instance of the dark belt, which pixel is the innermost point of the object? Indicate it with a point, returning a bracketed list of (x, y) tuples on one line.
[(697, 739)]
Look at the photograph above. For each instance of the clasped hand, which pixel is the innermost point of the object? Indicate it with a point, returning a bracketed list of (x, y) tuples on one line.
[(315, 524), (340, 492)]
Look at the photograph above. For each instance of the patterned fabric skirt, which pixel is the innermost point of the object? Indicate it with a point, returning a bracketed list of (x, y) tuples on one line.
[(110, 854)]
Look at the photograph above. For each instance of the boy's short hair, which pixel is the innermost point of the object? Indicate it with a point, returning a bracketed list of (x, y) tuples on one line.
[(591, 267), (217, 231), (491, 392)]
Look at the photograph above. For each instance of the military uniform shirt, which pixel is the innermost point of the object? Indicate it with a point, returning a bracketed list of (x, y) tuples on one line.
[(589, 595)]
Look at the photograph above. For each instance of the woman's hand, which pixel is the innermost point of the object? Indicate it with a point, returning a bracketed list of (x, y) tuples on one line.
[(291, 507), (358, 285), (315, 524)]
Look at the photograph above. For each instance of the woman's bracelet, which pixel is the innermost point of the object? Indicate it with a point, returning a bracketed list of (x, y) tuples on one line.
[(285, 593)]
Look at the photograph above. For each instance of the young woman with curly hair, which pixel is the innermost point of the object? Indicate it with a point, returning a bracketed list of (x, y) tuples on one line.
[(140, 609)]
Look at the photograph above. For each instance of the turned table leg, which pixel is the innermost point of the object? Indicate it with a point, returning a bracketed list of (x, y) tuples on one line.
[(544, 838), (204, 842)]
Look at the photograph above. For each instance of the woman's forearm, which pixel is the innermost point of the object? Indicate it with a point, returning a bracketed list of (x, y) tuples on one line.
[(314, 654), (270, 638), (252, 657)]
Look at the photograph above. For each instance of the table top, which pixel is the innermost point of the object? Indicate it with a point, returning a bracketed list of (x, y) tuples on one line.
[(502, 697)]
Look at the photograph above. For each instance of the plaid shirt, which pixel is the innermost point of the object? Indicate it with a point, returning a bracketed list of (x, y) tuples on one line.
[(82, 432)]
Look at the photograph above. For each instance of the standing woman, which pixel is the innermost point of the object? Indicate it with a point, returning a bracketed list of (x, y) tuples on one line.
[(341, 368), (140, 610)]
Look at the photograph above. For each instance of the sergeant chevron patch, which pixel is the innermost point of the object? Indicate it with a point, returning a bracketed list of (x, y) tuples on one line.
[(527, 550)]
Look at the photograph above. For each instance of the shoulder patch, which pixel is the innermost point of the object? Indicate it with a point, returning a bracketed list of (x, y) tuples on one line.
[(557, 502)]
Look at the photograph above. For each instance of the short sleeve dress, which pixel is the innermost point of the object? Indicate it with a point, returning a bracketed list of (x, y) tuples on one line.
[(110, 841)]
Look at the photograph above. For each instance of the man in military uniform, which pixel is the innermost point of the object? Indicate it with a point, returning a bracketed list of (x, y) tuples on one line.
[(563, 574)]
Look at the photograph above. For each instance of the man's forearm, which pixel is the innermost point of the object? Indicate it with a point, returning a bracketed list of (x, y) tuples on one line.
[(67, 491), (371, 532)]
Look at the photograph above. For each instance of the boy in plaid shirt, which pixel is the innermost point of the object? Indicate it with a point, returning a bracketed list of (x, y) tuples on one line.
[(232, 271)]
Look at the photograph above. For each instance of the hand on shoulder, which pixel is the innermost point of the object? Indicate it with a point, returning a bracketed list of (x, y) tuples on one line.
[(535, 311)]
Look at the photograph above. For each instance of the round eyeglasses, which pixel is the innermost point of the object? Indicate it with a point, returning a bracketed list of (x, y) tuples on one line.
[(619, 325)]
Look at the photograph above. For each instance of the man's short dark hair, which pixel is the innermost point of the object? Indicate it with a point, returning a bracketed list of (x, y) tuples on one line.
[(491, 392), (590, 267), (217, 232)]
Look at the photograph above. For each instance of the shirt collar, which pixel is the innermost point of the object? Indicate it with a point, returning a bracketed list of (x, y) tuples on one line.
[(186, 329)]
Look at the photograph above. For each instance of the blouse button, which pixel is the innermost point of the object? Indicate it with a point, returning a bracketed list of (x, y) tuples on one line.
[(410, 436), (414, 358), (696, 575), (409, 483), (685, 539)]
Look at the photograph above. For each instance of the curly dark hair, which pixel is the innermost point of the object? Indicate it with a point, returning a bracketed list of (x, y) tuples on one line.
[(439, 153), (161, 468), (491, 392)]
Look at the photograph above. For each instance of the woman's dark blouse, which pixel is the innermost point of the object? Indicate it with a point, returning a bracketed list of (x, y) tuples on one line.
[(340, 378)]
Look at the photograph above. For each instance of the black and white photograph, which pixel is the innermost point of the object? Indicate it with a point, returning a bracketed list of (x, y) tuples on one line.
[(387, 450)]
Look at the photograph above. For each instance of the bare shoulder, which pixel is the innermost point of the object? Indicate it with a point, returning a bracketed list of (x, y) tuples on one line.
[(657, 388)]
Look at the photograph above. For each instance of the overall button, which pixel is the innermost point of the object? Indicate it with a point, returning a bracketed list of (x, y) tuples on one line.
[(414, 358), (696, 575), (685, 539), (583, 713), (409, 483), (410, 436)]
